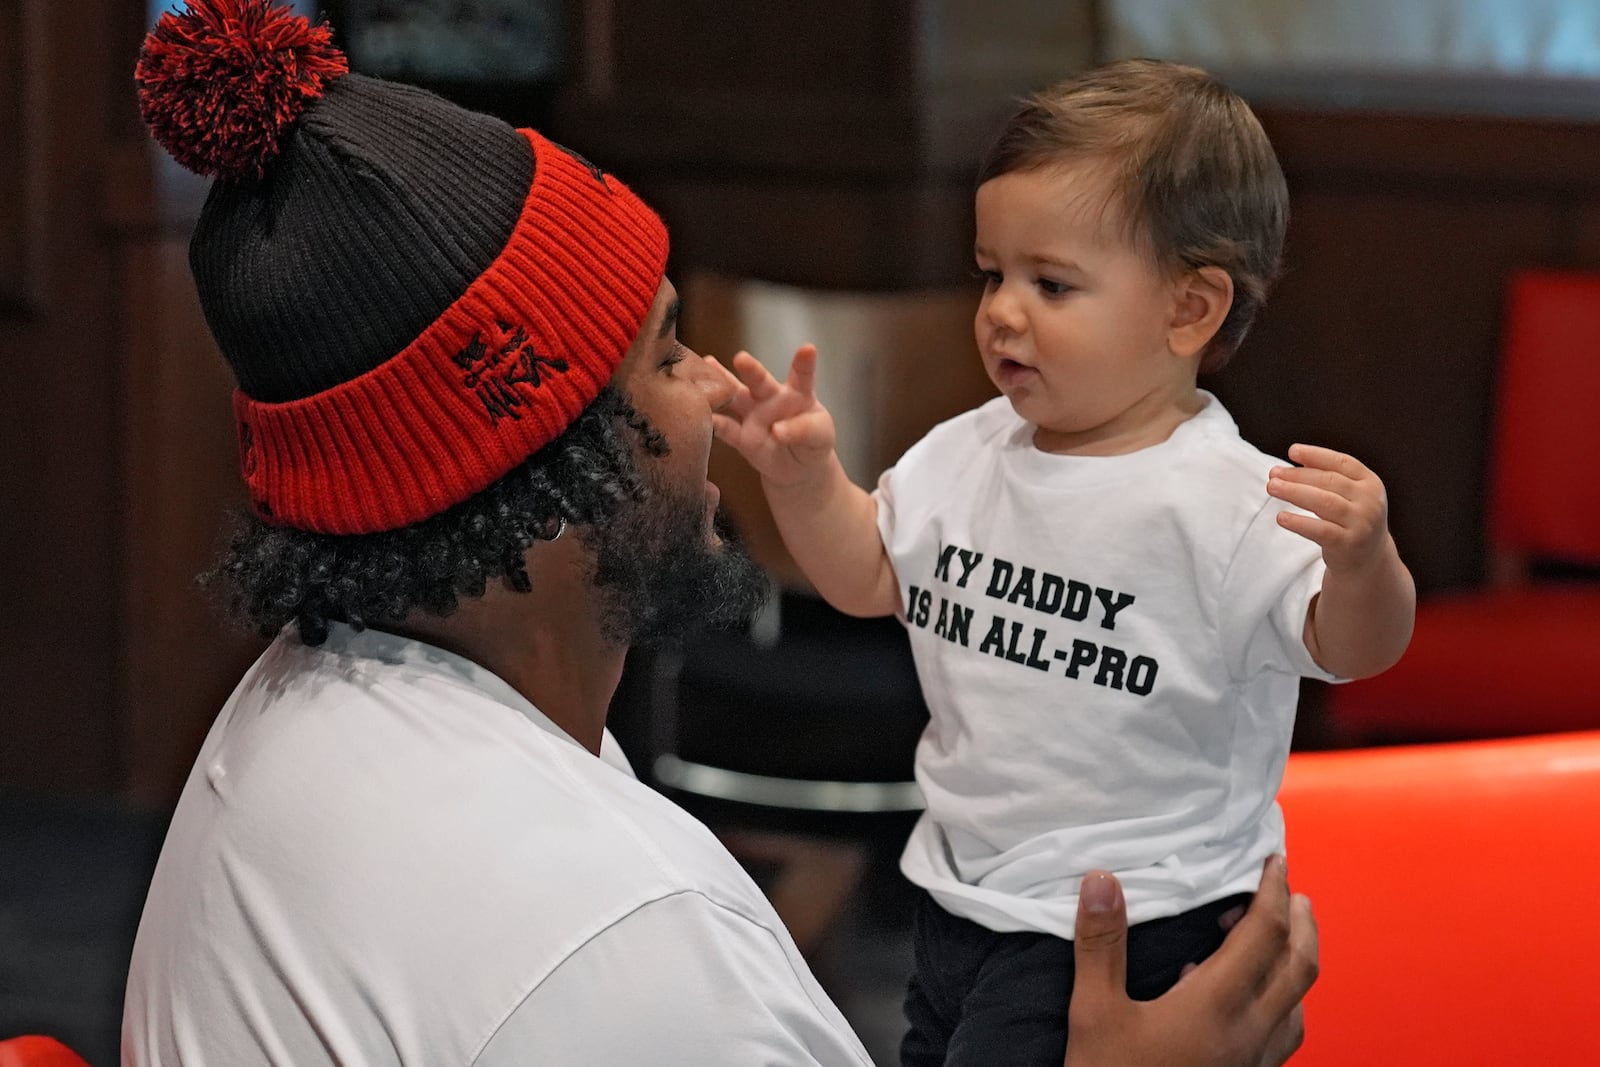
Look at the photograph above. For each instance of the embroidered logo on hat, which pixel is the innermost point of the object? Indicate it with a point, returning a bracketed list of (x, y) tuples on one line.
[(598, 174), (498, 369)]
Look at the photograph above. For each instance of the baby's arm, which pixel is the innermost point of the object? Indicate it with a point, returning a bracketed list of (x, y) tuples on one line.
[(828, 523), (1360, 623)]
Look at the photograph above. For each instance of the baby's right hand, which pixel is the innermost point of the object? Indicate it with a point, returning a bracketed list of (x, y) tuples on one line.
[(779, 428)]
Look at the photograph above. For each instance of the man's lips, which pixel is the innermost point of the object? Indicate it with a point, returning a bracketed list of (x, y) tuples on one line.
[(713, 498)]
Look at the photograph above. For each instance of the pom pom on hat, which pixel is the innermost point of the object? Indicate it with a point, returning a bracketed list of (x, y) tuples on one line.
[(220, 82)]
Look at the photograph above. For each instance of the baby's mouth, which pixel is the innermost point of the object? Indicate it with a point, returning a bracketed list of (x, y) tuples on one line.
[(1012, 372)]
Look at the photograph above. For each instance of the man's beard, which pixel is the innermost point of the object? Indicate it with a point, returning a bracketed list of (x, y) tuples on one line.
[(661, 579)]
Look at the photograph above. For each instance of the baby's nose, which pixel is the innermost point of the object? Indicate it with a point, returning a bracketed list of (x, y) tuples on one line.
[(1002, 309)]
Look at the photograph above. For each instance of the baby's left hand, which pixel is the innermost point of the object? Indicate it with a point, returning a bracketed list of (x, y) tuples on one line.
[(1349, 508)]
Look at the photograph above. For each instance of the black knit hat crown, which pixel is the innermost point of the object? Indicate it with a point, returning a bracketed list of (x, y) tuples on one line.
[(382, 208)]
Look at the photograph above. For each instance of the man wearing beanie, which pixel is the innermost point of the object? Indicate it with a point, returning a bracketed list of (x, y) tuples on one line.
[(476, 457)]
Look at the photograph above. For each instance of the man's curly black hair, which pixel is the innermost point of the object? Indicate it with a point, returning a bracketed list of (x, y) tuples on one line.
[(278, 575)]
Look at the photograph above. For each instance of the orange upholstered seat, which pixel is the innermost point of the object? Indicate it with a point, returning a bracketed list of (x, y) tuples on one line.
[(34, 1050), (1455, 888)]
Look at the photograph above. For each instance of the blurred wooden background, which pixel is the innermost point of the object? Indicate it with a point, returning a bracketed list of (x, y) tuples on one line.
[(828, 145)]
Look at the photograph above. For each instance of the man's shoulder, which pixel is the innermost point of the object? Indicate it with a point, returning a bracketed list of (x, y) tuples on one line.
[(410, 830), (347, 772)]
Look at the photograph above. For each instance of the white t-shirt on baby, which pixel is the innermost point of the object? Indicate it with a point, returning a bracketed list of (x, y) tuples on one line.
[(1111, 650)]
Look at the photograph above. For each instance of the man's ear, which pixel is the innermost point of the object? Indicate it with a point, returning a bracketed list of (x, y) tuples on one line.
[(1203, 298)]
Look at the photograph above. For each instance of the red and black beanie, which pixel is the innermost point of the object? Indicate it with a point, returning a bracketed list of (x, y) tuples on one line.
[(413, 297)]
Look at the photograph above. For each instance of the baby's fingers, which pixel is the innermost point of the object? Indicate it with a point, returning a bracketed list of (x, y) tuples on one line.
[(811, 429), (1326, 503), (739, 401), (1321, 478), (803, 371), (756, 377), (1320, 531), (1327, 459), (725, 428)]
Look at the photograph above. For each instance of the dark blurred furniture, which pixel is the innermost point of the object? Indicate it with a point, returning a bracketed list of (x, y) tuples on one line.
[(1454, 894), (1522, 654), (809, 712), (794, 741), (73, 876)]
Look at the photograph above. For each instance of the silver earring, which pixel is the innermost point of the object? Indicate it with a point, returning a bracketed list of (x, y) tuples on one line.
[(561, 528)]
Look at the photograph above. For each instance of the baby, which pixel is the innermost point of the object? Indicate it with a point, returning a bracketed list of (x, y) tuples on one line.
[(1111, 597)]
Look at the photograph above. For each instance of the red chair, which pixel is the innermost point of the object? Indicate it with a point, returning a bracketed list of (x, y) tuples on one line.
[(33, 1050), (1455, 888), (1522, 655)]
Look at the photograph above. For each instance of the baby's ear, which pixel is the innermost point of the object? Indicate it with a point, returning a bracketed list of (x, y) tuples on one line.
[(1202, 299)]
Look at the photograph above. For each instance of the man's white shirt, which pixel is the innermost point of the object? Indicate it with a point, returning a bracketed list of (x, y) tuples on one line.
[(385, 855)]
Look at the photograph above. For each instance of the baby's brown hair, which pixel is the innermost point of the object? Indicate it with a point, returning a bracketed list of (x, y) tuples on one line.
[(1190, 172)]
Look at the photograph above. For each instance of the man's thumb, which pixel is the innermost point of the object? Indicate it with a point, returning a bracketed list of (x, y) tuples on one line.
[(1100, 945)]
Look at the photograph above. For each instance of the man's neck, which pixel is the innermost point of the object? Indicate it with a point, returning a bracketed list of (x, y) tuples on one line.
[(548, 645)]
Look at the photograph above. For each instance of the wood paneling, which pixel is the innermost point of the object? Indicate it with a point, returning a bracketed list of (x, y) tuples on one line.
[(115, 441), (691, 47), (1381, 341), (59, 442), (179, 658), (1583, 238), (19, 192), (1476, 156), (852, 123), (823, 233), (1382, 338)]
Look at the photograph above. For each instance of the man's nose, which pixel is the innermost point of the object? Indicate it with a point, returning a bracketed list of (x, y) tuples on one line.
[(714, 381)]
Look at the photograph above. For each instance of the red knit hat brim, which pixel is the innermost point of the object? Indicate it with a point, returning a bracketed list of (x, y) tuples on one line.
[(502, 372)]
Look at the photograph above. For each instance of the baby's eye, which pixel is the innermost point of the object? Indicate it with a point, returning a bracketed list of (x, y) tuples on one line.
[(987, 277), (1051, 287)]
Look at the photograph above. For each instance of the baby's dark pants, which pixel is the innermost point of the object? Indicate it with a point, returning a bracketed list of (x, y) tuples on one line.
[(978, 997)]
